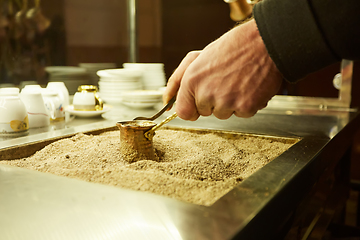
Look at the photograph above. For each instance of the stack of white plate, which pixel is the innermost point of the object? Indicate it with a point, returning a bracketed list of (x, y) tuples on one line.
[(92, 69), (141, 98), (71, 76), (112, 82), (153, 74)]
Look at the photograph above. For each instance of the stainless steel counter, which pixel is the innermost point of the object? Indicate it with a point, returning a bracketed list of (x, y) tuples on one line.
[(36, 205)]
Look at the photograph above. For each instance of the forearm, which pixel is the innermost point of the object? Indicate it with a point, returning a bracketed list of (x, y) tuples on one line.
[(305, 36)]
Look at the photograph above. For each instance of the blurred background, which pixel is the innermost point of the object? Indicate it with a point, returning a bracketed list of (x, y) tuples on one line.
[(95, 31), (37, 34)]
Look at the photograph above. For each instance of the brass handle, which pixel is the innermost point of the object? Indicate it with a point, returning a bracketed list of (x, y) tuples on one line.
[(150, 134), (158, 114), (99, 104)]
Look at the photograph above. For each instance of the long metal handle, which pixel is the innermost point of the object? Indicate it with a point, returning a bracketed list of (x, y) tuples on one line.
[(150, 134), (158, 114)]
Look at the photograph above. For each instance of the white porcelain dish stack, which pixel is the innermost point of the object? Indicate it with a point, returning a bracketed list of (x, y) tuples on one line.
[(113, 82), (70, 75), (141, 98), (153, 74)]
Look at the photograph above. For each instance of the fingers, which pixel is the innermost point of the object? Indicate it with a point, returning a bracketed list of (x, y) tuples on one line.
[(225, 108), (205, 109), (186, 107), (204, 102), (223, 113), (243, 114), (173, 84), (191, 106), (247, 111)]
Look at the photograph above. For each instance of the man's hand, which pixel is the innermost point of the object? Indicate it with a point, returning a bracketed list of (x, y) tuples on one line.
[(232, 75), (175, 79)]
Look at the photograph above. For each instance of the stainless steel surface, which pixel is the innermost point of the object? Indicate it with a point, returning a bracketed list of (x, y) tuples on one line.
[(341, 102), (36, 205), (159, 113), (132, 30), (346, 79)]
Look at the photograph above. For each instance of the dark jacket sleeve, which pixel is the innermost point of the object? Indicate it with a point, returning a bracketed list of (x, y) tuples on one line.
[(303, 36)]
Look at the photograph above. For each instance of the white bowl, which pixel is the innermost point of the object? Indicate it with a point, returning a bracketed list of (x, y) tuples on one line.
[(144, 66), (111, 100), (116, 96), (155, 87), (66, 71), (112, 86), (142, 94), (117, 90), (111, 93), (119, 72), (120, 84), (140, 104), (151, 83), (141, 101)]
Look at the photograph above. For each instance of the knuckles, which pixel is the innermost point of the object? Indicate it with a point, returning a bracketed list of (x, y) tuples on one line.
[(187, 113)]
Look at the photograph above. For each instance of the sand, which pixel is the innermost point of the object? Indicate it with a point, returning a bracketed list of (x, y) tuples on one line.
[(198, 168)]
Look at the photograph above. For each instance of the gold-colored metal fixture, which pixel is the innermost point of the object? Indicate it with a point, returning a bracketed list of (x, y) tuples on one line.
[(240, 9)]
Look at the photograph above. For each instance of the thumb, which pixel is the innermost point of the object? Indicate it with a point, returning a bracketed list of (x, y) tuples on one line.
[(174, 82)]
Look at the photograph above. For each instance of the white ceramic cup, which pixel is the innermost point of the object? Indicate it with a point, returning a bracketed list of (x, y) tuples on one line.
[(35, 107), (63, 92), (34, 87), (13, 116), (9, 91), (53, 104), (86, 99)]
